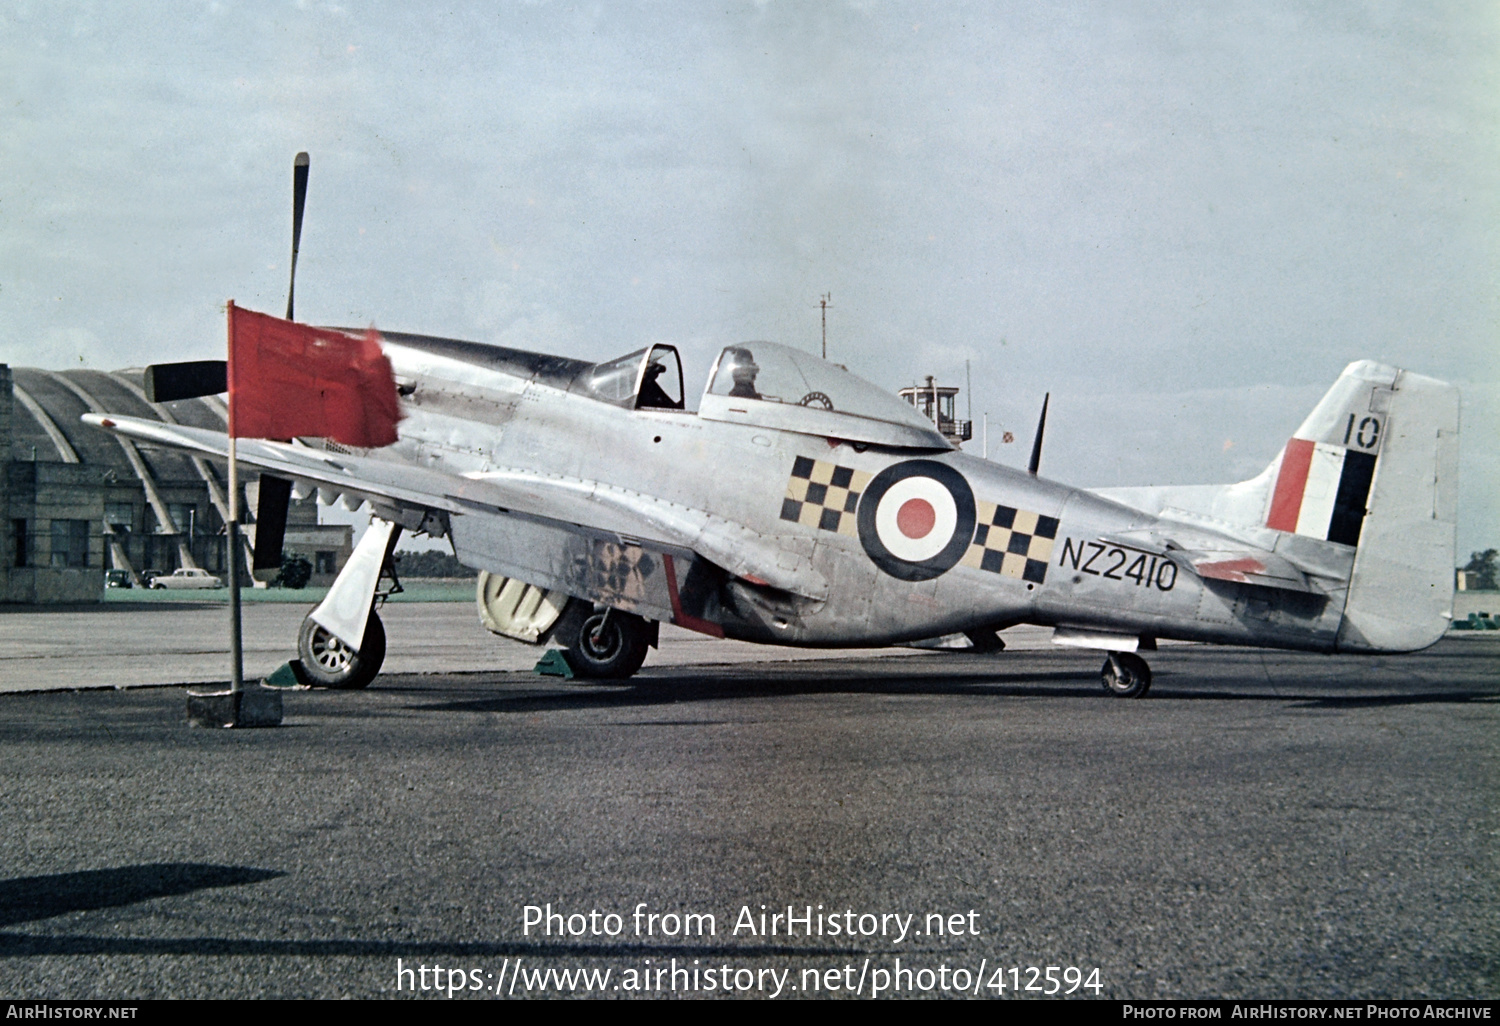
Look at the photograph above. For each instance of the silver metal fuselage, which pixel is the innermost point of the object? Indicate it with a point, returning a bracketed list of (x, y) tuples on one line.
[(468, 415)]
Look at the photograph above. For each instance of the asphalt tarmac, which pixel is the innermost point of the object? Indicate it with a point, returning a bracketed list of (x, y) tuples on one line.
[(132, 644), (1262, 825)]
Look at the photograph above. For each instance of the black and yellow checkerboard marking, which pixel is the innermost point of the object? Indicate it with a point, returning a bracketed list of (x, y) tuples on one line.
[(823, 495), (1011, 542)]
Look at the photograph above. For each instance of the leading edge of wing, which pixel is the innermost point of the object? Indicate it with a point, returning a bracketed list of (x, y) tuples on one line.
[(592, 506), (347, 473)]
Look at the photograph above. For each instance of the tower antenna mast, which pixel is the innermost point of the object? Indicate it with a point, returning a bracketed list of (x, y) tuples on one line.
[(823, 302)]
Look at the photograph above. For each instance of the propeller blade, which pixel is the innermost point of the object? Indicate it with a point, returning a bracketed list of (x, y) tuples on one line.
[(1036, 446), (168, 382), (299, 200), (270, 521)]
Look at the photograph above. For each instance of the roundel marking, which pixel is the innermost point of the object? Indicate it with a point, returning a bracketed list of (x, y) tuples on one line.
[(916, 519)]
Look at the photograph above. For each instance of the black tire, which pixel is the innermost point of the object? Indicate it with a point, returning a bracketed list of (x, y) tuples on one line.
[(1126, 675), (328, 663), (611, 650)]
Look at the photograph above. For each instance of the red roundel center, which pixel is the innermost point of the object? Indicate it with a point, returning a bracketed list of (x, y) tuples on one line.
[(916, 518)]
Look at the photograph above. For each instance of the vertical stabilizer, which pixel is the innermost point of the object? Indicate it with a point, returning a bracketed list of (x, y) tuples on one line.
[(1372, 472), (1323, 478)]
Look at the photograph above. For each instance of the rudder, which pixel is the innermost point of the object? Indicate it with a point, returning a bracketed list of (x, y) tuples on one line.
[(1401, 590)]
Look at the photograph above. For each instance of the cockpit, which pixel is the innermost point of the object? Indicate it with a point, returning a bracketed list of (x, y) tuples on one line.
[(647, 379), (769, 385), (780, 387)]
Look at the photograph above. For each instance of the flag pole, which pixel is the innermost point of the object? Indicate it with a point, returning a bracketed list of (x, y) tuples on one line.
[(236, 653), (236, 658)]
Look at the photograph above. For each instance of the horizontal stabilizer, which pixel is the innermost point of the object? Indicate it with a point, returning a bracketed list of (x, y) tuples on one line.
[(1245, 567), (1220, 559)]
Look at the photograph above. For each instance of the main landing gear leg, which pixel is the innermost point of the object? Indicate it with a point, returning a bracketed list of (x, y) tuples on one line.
[(1126, 675)]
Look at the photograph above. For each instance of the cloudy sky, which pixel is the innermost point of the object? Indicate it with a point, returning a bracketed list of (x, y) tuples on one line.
[(1183, 225)]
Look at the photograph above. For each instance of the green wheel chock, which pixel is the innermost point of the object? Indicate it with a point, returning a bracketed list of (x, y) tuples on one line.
[(555, 664), (284, 676)]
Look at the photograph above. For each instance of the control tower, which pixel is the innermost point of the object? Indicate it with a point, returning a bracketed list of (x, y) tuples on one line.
[(936, 403)]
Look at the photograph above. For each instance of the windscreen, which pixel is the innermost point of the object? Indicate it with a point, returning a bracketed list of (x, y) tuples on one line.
[(614, 381)]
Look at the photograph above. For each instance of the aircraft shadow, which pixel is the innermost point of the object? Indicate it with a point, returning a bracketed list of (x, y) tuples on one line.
[(1084, 685), (25, 945), (27, 898), (1379, 701), (647, 691)]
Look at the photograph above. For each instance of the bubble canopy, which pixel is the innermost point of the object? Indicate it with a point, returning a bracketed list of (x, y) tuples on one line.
[(776, 386)]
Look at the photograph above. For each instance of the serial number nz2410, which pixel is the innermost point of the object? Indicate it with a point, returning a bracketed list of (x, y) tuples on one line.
[(1119, 563)]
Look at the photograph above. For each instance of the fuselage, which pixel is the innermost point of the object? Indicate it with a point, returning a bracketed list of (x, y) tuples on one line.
[(1030, 550)]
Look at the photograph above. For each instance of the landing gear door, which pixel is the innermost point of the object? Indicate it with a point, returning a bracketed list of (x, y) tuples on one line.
[(661, 380)]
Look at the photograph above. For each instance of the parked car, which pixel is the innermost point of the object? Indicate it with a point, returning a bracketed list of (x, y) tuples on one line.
[(117, 579), (185, 577), (147, 576)]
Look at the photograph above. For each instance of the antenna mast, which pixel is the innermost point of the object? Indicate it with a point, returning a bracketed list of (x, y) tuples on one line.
[(823, 302)]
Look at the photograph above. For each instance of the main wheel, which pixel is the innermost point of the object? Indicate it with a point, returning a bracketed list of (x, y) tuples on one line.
[(1126, 675), (610, 646), (328, 662)]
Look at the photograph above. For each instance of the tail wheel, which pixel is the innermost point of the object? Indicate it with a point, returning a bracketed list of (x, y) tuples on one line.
[(328, 662), (1126, 675), (611, 646)]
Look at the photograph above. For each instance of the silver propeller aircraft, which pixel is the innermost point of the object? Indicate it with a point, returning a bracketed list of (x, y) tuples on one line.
[(801, 505)]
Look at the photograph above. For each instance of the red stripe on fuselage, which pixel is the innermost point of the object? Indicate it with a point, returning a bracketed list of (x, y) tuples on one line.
[(1286, 502)]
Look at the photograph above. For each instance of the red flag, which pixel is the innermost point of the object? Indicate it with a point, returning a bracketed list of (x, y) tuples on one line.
[(287, 379)]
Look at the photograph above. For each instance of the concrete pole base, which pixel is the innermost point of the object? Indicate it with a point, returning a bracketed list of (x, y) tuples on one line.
[(256, 706)]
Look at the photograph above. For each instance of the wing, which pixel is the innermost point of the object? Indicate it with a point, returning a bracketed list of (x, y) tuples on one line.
[(505, 509)]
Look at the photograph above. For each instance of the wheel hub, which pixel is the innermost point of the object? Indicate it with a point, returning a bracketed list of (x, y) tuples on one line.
[(330, 653), (602, 644)]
